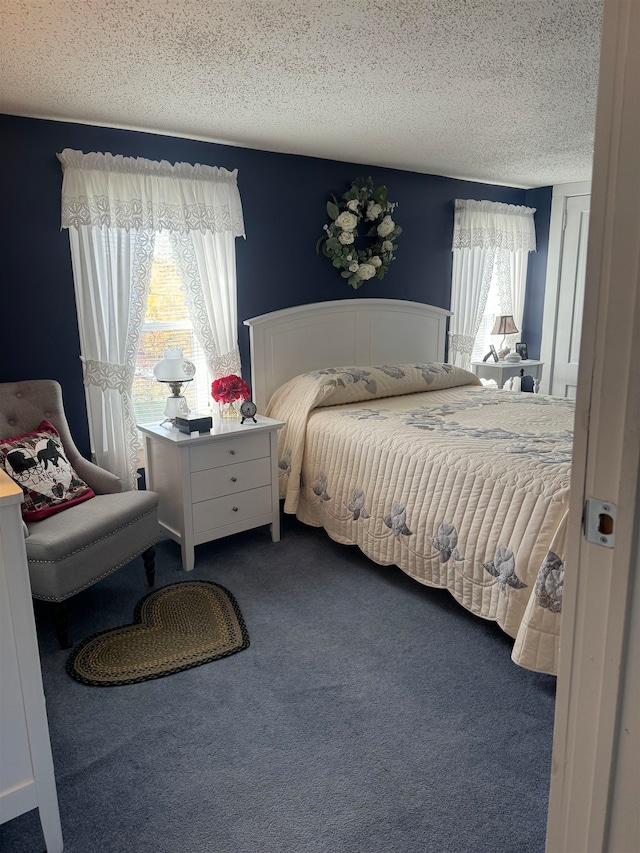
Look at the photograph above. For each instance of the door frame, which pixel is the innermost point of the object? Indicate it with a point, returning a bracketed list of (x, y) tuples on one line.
[(593, 796), (561, 192)]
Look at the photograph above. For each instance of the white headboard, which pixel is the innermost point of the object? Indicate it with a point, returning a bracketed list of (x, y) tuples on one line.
[(342, 332)]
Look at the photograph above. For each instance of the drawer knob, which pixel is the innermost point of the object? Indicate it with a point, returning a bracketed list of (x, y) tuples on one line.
[(234, 479), (232, 452), (235, 509)]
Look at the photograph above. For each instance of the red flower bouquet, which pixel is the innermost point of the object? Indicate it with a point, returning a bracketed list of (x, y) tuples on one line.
[(230, 388)]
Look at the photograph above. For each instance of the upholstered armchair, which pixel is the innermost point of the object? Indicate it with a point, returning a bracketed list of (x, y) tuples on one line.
[(72, 549)]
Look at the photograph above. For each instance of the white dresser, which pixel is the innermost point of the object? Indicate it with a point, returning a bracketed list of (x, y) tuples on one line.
[(26, 766), (215, 483)]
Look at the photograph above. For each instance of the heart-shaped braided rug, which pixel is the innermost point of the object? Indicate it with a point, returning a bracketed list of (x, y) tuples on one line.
[(176, 627)]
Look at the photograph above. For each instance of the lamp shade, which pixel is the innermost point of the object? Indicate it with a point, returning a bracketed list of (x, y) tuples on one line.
[(173, 367), (504, 325)]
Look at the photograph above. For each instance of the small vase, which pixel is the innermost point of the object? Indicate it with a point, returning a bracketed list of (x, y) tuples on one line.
[(230, 410)]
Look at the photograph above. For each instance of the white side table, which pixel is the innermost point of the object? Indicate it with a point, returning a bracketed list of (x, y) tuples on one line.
[(216, 483), (500, 371)]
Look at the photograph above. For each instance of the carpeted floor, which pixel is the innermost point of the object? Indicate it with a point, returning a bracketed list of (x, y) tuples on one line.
[(368, 715)]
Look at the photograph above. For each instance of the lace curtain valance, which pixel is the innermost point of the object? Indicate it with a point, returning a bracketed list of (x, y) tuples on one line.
[(112, 191), (493, 225)]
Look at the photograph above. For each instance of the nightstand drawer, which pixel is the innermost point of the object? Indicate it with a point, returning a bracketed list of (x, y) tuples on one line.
[(229, 479), (231, 508), (240, 448)]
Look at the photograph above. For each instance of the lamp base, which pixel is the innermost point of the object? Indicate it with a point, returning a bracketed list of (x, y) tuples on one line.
[(175, 407)]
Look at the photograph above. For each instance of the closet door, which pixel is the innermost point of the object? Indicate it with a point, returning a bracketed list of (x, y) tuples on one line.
[(564, 296)]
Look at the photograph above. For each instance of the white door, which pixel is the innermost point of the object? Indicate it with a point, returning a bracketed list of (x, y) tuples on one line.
[(564, 295)]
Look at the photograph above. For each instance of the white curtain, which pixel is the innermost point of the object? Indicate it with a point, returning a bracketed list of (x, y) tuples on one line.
[(489, 239), (203, 260), (471, 279), (111, 272), (113, 206), (519, 263), (511, 275)]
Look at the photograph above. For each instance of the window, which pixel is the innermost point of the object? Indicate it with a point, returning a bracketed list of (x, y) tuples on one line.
[(166, 324), (491, 245), (132, 201)]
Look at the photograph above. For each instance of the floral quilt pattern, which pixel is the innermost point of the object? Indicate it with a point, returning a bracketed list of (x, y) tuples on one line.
[(461, 486)]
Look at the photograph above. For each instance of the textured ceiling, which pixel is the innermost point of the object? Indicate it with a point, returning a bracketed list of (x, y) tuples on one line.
[(501, 91)]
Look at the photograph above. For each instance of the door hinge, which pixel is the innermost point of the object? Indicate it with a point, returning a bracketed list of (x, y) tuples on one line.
[(599, 522), (564, 218)]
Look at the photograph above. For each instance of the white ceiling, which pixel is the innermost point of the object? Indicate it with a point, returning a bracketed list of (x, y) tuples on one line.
[(501, 91)]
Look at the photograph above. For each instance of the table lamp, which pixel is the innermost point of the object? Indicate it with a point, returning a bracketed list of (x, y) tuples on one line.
[(504, 325), (176, 371)]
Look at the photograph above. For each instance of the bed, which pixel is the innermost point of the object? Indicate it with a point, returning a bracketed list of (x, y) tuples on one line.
[(417, 463)]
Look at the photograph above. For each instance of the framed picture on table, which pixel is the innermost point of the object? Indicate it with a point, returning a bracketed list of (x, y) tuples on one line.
[(491, 354), (522, 351)]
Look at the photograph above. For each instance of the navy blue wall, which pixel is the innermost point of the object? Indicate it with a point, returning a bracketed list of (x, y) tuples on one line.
[(284, 202), (532, 322)]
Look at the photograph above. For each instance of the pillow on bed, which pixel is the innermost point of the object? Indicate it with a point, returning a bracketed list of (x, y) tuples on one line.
[(36, 461), (354, 384), (336, 385)]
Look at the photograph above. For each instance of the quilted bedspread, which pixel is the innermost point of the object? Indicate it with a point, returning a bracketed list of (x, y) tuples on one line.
[(461, 486)]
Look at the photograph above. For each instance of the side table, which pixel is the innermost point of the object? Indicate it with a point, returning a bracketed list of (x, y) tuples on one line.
[(216, 483), (500, 371)]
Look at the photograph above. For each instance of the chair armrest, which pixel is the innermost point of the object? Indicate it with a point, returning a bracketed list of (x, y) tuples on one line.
[(101, 481)]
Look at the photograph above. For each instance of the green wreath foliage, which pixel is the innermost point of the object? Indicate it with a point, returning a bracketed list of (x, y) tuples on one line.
[(362, 203)]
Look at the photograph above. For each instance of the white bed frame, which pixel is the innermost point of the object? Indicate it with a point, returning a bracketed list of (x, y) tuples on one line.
[(342, 332)]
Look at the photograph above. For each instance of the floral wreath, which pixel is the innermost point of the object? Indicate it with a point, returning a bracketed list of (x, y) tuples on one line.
[(361, 202)]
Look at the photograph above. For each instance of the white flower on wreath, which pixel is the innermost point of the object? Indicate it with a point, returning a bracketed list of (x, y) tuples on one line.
[(375, 261), (387, 246), (386, 226), (346, 237), (366, 271), (353, 205), (348, 221), (374, 210), (353, 267)]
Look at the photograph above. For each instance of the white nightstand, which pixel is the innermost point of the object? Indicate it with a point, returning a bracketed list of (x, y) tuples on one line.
[(215, 483), (500, 371)]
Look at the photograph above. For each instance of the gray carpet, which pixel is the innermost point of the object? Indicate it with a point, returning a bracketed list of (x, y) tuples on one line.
[(369, 714)]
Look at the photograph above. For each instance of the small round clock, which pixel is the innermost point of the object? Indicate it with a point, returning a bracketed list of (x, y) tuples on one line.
[(248, 410)]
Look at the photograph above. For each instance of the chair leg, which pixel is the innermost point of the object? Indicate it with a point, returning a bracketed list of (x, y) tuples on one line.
[(61, 624), (149, 559)]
